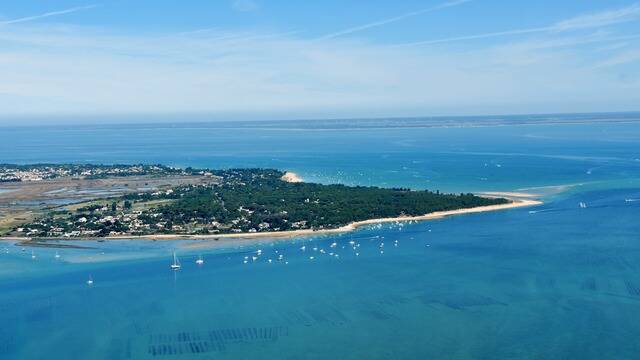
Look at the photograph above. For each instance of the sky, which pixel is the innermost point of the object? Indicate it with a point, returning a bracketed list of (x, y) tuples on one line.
[(277, 59)]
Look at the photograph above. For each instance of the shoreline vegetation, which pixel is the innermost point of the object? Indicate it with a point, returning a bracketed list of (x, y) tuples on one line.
[(516, 203), (276, 235), (248, 204)]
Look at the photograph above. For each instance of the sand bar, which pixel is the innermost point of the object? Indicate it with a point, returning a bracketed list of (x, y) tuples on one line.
[(291, 177)]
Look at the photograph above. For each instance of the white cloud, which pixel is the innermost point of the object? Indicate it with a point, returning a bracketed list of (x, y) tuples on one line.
[(49, 69), (599, 19), (245, 5)]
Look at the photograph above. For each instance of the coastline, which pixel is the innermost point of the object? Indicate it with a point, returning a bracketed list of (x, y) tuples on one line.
[(516, 202)]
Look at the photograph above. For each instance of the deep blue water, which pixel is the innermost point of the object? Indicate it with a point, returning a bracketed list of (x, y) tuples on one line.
[(555, 282)]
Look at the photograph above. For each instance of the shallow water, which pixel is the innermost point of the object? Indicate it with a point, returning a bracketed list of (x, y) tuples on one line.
[(554, 281)]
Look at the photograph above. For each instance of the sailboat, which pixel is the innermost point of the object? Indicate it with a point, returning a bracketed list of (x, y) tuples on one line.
[(57, 255), (90, 281), (33, 256), (200, 261), (176, 263)]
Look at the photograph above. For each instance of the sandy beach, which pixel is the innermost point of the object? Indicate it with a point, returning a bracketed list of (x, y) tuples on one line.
[(291, 177)]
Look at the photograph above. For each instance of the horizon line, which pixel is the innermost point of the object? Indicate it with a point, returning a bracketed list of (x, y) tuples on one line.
[(167, 119)]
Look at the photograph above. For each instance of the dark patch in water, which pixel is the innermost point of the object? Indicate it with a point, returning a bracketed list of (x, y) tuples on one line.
[(379, 314), (7, 342), (42, 311), (632, 289), (589, 284), (211, 341), (460, 301), (296, 317), (326, 314), (545, 282)]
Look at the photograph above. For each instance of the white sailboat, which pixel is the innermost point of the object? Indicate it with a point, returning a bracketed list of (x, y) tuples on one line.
[(57, 255), (33, 256), (176, 263), (200, 261), (90, 281)]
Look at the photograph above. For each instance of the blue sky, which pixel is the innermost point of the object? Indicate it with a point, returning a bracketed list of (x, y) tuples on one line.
[(311, 59)]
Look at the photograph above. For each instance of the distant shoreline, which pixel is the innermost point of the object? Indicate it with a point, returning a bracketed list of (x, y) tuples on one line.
[(425, 121), (516, 202)]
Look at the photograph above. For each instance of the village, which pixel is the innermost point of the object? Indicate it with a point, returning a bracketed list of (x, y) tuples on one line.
[(40, 172)]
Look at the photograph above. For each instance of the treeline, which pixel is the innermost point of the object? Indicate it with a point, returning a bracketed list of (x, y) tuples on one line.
[(259, 197)]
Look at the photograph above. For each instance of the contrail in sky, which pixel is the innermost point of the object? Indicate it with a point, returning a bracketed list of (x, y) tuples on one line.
[(393, 19), (48, 14)]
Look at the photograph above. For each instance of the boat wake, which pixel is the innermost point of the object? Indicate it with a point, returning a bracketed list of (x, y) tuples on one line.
[(541, 211)]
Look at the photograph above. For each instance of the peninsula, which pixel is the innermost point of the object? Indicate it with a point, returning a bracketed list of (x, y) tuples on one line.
[(206, 203)]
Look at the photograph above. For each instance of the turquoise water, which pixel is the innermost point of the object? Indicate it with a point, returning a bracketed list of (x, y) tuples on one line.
[(555, 281), (449, 159)]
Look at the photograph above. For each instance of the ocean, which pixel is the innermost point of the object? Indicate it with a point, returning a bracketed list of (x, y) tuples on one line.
[(556, 281)]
